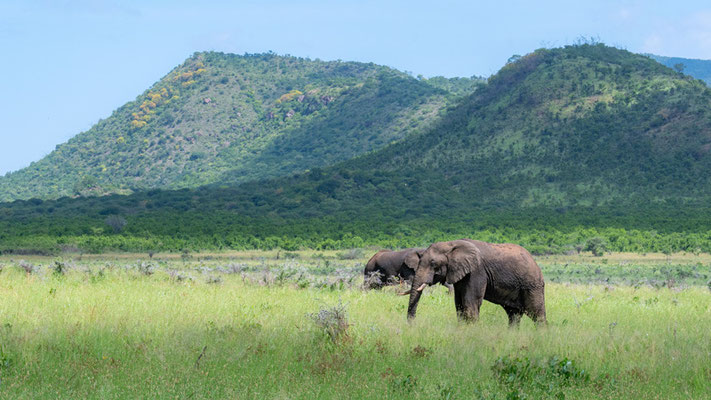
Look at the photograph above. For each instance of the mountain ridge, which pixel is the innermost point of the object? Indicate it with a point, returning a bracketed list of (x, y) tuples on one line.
[(229, 118), (560, 140), (544, 117), (698, 68)]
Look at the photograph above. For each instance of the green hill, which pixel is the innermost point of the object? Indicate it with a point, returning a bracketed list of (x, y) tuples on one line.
[(699, 69), (560, 146), (230, 119), (580, 126)]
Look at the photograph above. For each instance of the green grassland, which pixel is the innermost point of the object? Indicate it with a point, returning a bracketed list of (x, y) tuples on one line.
[(245, 325)]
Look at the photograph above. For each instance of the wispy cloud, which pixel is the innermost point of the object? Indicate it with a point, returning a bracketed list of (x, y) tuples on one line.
[(700, 32), (91, 7), (624, 13), (690, 36), (653, 44)]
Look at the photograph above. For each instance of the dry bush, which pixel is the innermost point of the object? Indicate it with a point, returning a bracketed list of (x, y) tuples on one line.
[(333, 321)]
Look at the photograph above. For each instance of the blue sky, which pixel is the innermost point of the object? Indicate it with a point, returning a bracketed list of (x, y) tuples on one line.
[(66, 64)]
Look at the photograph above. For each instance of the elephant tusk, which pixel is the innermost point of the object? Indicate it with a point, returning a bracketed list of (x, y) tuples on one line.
[(419, 289)]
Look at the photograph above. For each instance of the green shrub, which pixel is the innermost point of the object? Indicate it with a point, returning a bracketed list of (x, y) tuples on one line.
[(521, 374), (60, 268), (596, 245)]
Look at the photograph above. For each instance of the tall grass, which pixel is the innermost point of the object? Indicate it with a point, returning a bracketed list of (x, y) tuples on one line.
[(101, 331)]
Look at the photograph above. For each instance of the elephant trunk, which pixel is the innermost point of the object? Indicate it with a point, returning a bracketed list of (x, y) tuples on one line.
[(412, 307), (421, 280)]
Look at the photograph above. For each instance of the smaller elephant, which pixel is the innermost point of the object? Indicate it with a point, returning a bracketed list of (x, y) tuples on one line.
[(387, 267)]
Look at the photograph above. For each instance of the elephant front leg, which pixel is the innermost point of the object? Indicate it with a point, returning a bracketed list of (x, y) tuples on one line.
[(471, 291), (470, 313)]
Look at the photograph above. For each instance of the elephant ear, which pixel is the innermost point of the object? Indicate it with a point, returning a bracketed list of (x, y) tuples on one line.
[(412, 259), (463, 259)]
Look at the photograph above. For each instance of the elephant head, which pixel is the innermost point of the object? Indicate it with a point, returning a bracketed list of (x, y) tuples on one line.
[(410, 263), (388, 267), (442, 261)]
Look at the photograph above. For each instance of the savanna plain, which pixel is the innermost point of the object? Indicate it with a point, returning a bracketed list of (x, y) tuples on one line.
[(299, 325)]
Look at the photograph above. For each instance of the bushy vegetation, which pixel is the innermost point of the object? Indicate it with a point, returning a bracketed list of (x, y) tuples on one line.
[(549, 377), (582, 147), (585, 125), (229, 119), (198, 220), (247, 327)]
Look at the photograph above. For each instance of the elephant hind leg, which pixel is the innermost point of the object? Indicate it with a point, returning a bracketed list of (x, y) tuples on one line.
[(515, 315), (535, 305)]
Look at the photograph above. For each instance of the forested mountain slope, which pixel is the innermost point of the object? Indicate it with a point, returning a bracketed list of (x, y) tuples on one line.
[(585, 125), (230, 119), (558, 141)]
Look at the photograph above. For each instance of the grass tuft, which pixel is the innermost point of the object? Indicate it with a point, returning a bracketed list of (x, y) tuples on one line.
[(333, 321), (27, 267)]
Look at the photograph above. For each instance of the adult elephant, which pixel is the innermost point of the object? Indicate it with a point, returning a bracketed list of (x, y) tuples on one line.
[(395, 265), (504, 274)]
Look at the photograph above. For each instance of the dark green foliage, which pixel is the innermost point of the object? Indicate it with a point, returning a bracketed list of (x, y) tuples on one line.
[(405, 385), (5, 359), (549, 376), (596, 245), (59, 268), (561, 146), (583, 125), (228, 219), (116, 222)]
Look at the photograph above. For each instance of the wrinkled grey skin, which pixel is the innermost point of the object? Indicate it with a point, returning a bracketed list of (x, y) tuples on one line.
[(394, 266), (503, 274)]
